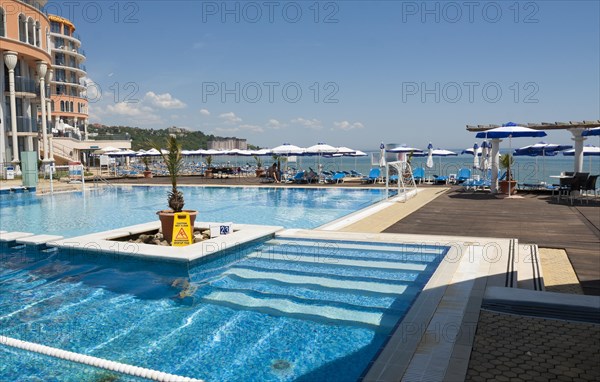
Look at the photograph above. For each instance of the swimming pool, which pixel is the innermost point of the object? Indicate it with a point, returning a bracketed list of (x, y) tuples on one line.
[(283, 309), (78, 213)]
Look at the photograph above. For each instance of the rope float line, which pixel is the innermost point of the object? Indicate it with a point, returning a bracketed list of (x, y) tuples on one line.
[(118, 367)]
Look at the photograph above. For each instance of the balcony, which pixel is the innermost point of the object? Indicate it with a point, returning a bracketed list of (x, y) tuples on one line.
[(24, 85), (24, 125)]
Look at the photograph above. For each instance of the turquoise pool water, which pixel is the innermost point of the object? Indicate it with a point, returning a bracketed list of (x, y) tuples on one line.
[(279, 310), (74, 214)]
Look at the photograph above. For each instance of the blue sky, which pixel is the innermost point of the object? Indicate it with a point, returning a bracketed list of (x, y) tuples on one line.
[(351, 73)]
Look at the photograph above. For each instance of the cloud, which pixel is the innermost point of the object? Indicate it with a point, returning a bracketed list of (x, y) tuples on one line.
[(275, 124), (164, 101), (198, 45), (204, 112), (230, 118), (226, 130), (128, 109), (252, 128), (345, 125), (310, 123)]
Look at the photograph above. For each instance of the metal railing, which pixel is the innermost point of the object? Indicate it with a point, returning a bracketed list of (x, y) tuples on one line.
[(24, 124), (25, 85)]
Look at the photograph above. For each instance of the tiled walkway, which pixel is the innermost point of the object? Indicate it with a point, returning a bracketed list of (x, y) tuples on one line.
[(518, 348)]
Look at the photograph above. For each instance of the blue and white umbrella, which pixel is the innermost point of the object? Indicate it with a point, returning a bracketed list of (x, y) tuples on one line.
[(590, 132), (588, 150), (542, 149), (510, 130), (429, 163), (476, 149), (382, 155)]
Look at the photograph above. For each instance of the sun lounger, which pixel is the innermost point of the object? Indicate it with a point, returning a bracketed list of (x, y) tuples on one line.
[(463, 175), (419, 174), (374, 174), (338, 177)]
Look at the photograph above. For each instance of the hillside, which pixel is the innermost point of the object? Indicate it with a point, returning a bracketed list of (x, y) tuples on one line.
[(190, 140)]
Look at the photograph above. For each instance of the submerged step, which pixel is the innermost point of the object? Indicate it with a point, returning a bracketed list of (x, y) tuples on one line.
[(325, 260), (13, 236), (291, 307), (38, 240), (320, 281), (328, 245)]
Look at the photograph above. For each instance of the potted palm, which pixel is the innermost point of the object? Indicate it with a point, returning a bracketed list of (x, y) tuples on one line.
[(506, 161), (208, 173), (259, 170), (147, 172), (174, 162)]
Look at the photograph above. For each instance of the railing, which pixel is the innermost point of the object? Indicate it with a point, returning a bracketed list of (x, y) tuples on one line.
[(24, 124), (116, 137), (25, 85)]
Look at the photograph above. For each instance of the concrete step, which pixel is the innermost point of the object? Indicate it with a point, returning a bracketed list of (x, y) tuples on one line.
[(529, 268), (38, 241), (504, 272), (8, 237)]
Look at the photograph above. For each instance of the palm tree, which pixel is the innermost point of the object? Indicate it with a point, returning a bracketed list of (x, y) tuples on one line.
[(174, 163)]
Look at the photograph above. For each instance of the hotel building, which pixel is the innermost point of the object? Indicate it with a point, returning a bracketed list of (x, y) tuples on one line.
[(26, 72), (69, 105)]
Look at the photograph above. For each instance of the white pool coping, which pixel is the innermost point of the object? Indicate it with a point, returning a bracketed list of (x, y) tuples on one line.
[(103, 242)]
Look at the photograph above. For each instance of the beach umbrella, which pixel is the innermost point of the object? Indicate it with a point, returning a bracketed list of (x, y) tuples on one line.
[(429, 163), (471, 151), (108, 149), (510, 130), (590, 132), (261, 152), (357, 154), (287, 149), (542, 149), (588, 150), (476, 149), (483, 160), (403, 150), (442, 153), (382, 162)]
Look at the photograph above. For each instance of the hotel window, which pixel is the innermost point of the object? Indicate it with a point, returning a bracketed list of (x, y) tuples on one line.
[(54, 27), (22, 28), (62, 105), (52, 106), (67, 31), (30, 30), (59, 42), (2, 22), (38, 36), (71, 106)]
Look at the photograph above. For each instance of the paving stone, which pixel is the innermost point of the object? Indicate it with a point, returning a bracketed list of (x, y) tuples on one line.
[(522, 348)]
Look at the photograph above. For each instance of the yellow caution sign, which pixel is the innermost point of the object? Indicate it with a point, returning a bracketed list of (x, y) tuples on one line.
[(182, 230)]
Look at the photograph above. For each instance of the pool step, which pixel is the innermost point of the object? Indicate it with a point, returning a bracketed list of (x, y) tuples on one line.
[(291, 308), (529, 268), (38, 241), (329, 245), (326, 260), (319, 281), (8, 237)]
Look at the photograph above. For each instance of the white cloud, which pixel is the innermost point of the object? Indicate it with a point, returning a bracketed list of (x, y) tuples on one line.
[(198, 45), (204, 112), (230, 118), (226, 130), (345, 125), (165, 101), (253, 128), (275, 124), (310, 123), (128, 109)]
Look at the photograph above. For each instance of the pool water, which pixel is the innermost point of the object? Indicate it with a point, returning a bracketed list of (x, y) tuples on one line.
[(79, 213), (278, 310)]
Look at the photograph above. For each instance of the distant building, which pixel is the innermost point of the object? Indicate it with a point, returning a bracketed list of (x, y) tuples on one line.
[(177, 130), (69, 105), (228, 144), (24, 77)]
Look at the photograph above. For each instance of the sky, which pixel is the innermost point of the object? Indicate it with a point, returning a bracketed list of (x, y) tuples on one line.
[(351, 73)]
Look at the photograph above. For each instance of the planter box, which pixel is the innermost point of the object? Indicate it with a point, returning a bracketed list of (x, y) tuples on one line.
[(504, 186)]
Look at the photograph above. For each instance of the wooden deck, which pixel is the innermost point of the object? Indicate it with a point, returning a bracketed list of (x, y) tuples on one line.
[(534, 219)]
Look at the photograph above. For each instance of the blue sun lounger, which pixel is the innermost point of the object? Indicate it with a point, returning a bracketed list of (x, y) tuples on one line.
[(373, 175)]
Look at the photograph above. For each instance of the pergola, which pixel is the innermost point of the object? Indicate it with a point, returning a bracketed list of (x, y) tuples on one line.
[(575, 127)]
